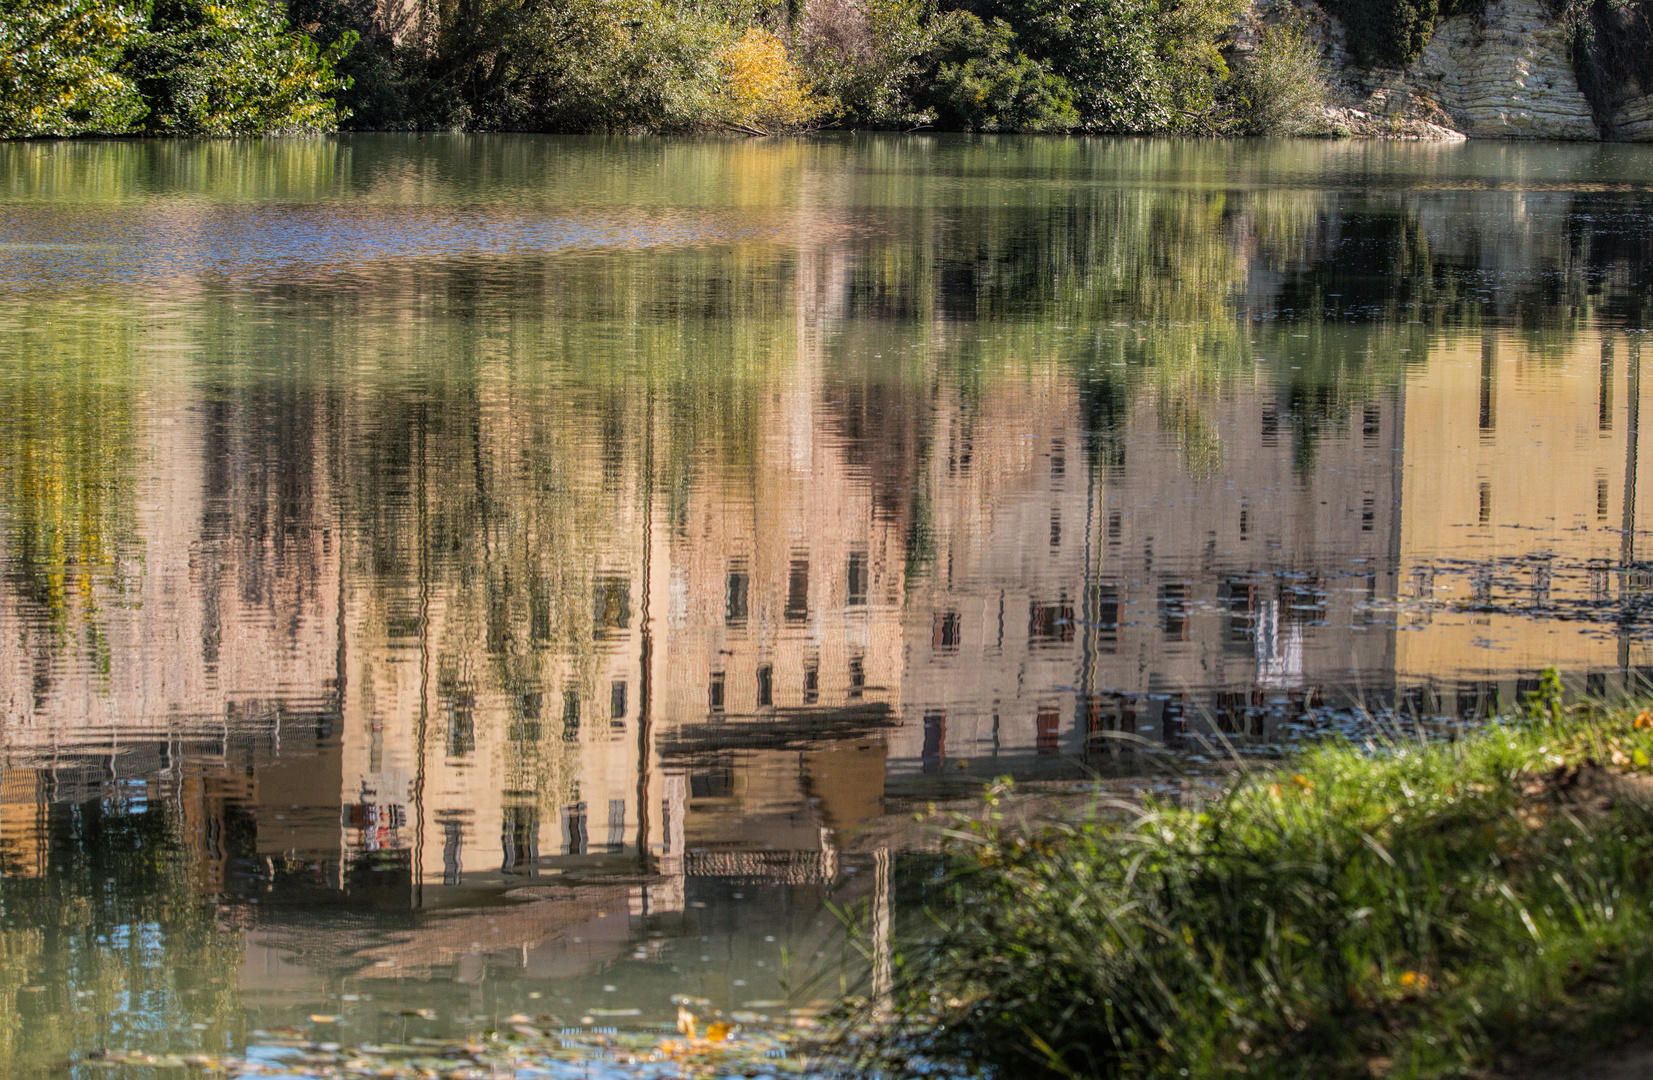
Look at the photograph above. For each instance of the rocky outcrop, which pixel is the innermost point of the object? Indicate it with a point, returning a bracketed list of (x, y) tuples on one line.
[(1506, 73), (1632, 121), (1357, 123)]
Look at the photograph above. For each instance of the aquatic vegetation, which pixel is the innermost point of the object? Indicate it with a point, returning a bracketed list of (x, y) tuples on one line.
[(1403, 907)]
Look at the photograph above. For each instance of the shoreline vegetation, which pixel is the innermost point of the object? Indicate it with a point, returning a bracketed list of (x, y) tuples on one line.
[(226, 68), (1398, 908)]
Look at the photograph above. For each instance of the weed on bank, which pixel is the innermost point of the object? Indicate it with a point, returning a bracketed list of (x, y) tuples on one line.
[(1399, 909)]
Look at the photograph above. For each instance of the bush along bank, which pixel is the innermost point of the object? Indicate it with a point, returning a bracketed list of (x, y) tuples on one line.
[(178, 67), (1407, 909), (246, 67)]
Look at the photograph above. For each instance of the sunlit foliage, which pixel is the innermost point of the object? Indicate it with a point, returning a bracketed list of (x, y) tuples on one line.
[(59, 67), (232, 67), (763, 90)]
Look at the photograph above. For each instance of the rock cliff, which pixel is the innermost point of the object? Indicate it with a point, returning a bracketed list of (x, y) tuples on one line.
[(1506, 73)]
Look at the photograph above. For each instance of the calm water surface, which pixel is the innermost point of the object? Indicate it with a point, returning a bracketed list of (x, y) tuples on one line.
[(467, 577)]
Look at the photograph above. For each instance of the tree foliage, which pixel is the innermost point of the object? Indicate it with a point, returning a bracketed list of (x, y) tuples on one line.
[(762, 90), (175, 67), (242, 67), (232, 67), (1282, 87), (982, 82), (59, 67)]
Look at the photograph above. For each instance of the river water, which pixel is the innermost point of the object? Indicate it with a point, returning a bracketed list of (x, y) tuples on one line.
[(452, 578)]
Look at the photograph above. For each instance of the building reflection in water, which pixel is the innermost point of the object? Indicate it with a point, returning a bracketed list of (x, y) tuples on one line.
[(587, 698), (480, 664)]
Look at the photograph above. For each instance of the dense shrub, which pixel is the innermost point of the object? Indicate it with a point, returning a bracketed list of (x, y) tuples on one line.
[(1386, 33), (580, 66), (982, 82), (1132, 65), (179, 67), (762, 90), (866, 56), (59, 67), (232, 67), (196, 67), (1282, 87), (1392, 33)]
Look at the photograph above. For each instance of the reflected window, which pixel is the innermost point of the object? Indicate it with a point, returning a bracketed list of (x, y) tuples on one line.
[(570, 715), (1368, 514), (1116, 526), (525, 728), (856, 590), (1304, 601), (610, 605), (1271, 426), (857, 678), (812, 682), (766, 686), (1047, 726), (1371, 424), (453, 845), (1488, 419), (946, 630), (1602, 501), (1056, 528), (718, 783), (735, 598), (797, 591), (1230, 712), (1058, 460), (616, 826), (520, 840), (1050, 622), (714, 693), (1107, 617), (574, 840), (1484, 513), (1239, 599), (1173, 610), (617, 701)]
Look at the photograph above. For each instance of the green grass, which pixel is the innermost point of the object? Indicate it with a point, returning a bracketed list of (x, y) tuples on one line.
[(1404, 909)]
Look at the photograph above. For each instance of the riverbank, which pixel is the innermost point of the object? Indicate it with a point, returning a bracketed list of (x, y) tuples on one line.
[(1366, 68), (1399, 909)]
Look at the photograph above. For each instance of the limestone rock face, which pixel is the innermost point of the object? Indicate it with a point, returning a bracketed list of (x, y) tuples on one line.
[(1632, 121), (1505, 74)]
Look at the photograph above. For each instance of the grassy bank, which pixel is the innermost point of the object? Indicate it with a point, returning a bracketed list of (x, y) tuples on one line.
[(1397, 909)]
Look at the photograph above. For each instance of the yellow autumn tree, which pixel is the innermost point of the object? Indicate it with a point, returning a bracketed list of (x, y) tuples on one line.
[(763, 91)]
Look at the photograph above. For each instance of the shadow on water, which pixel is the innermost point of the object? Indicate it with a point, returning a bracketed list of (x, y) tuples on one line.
[(446, 579)]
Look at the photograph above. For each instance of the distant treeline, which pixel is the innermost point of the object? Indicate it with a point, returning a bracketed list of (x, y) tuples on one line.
[(247, 67)]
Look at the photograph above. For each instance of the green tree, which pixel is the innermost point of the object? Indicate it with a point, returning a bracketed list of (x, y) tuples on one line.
[(1133, 65), (59, 62), (982, 82), (233, 68)]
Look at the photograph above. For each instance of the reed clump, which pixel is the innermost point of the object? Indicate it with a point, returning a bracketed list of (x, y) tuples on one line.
[(1402, 908)]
